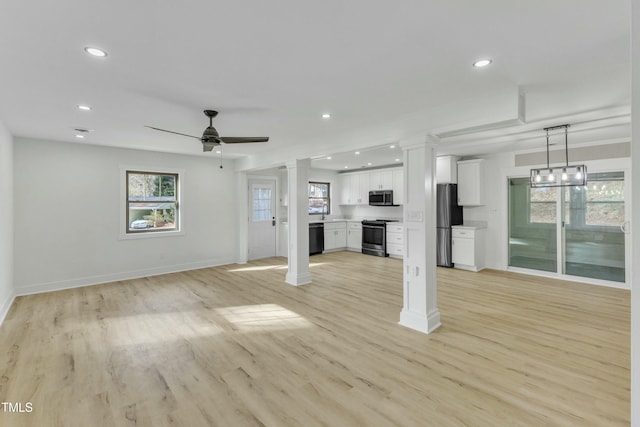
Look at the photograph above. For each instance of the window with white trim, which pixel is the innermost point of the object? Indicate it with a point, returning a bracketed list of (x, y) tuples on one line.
[(152, 202), (319, 200)]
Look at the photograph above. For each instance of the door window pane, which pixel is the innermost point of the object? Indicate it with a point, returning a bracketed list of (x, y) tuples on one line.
[(261, 204), (532, 226), (594, 241)]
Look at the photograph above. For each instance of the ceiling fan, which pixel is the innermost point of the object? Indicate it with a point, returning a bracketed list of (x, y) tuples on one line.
[(211, 138)]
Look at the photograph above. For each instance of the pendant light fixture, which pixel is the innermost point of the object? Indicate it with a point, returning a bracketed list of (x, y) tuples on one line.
[(559, 176)]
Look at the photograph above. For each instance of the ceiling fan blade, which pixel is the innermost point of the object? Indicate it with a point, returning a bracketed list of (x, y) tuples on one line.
[(170, 131), (242, 139)]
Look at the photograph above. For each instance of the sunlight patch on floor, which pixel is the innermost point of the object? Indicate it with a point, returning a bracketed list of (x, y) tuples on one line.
[(269, 317), (258, 268), (158, 327), (317, 264)]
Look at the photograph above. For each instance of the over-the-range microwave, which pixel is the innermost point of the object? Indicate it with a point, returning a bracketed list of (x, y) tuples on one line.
[(381, 198)]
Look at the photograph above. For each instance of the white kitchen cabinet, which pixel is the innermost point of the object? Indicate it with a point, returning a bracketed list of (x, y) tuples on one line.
[(398, 186), (447, 169), (335, 235), (395, 240), (467, 244), (354, 236), (354, 189), (363, 189), (345, 189), (381, 180), (471, 182)]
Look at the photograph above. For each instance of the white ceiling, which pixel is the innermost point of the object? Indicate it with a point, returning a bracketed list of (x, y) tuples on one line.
[(386, 71)]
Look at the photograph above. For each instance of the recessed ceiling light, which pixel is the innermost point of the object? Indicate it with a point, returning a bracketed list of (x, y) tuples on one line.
[(346, 167), (369, 164), (397, 160), (328, 157), (357, 153), (392, 146), (326, 116), (95, 52), (84, 107), (482, 63), (80, 136)]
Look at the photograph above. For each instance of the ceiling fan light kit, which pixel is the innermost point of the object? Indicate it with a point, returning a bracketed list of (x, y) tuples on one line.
[(559, 176), (211, 138)]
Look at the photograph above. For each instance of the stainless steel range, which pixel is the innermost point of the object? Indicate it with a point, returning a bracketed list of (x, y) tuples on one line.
[(374, 237)]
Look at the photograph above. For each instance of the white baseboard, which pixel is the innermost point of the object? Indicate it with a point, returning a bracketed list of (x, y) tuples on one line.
[(38, 288), (6, 306), (420, 322)]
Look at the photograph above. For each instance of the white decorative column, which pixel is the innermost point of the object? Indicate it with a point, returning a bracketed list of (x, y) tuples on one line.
[(420, 308), (243, 212), (635, 213), (298, 182)]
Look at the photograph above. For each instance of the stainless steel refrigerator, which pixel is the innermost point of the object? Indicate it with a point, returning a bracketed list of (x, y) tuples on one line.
[(448, 214)]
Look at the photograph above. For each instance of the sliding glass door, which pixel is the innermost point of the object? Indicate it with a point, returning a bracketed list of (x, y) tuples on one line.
[(577, 231), (593, 237), (532, 226)]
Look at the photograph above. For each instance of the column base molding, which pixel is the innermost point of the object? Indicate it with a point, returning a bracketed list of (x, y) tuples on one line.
[(298, 279), (419, 322)]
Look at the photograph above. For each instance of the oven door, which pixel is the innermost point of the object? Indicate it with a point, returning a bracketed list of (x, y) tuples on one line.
[(374, 240)]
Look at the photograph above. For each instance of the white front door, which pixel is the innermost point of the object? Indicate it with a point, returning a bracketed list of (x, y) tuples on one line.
[(262, 219)]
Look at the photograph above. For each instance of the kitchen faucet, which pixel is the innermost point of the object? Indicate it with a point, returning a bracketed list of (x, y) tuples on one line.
[(324, 208)]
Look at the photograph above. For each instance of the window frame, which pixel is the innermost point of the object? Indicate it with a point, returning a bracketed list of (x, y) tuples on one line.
[(125, 232), (328, 198)]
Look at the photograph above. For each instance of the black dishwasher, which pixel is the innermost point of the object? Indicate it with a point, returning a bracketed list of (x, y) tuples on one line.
[(316, 238)]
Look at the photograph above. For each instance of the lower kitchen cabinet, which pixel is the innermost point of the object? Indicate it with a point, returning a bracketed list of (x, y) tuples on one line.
[(335, 235), (395, 240), (354, 236), (467, 245)]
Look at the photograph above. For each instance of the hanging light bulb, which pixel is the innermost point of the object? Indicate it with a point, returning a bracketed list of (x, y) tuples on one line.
[(560, 176)]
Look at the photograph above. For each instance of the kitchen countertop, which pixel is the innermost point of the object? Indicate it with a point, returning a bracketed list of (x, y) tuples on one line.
[(471, 225), (325, 221)]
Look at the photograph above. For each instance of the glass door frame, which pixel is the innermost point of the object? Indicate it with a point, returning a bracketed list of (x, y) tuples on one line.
[(621, 165)]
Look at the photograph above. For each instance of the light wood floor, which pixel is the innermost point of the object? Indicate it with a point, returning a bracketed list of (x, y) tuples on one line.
[(236, 346)]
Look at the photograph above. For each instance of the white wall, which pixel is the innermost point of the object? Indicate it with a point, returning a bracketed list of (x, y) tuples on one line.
[(6, 221), (67, 216), (495, 210)]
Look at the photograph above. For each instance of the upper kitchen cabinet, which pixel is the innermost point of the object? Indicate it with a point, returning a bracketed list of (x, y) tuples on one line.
[(355, 189), (398, 186), (381, 180), (471, 182), (447, 169)]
